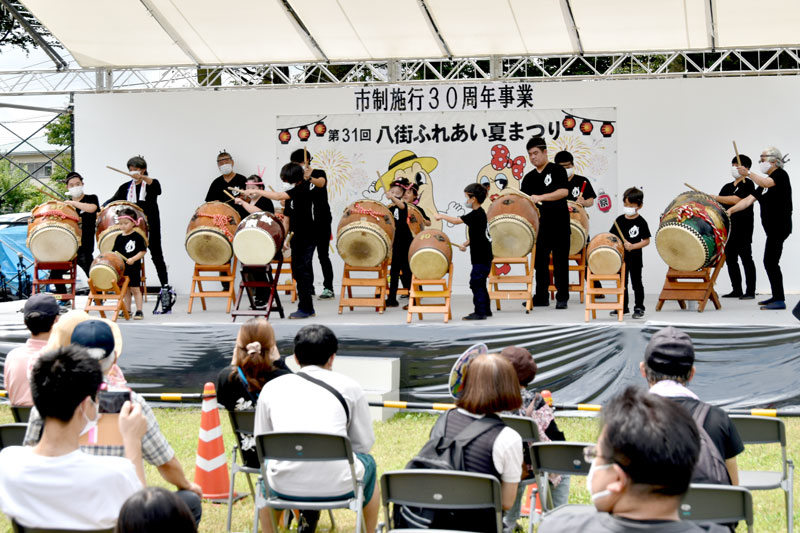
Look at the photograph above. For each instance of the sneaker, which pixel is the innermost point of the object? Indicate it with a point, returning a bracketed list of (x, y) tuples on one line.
[(733, 294), (392, 303), (767, 301), (748, 296), (624, 312), (405, 307), (638, 313), (138, 315), (541, 303), (327, 294), (301, 314), (775, 304), (561, 305), (474, 316)]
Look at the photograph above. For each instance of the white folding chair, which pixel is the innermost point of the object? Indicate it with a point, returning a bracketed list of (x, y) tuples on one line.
[(441, 489), (767, 430), (529, 431), (565, 458), (284, 446), (717, 504)]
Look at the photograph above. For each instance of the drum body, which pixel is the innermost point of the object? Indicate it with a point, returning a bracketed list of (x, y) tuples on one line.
[(513, 224), (54, 232), (430, 254), (578, 227), (365, 233), (258, 239), (108, 228), (210, 232), (106, 270), (605, 254), (692, 232), (416, 222)]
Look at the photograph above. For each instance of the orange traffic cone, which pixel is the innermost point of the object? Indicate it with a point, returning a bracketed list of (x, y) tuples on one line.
[(211, 467)]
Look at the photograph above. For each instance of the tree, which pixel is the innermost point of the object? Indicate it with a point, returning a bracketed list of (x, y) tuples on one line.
[(25, 196), (59, 132)]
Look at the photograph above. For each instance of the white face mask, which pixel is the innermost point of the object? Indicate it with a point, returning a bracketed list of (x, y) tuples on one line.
[(76, 192), (90, 424), (468, 203), (764, 166), (594, 468), (287, 185), (570, 172), (735, 173), (630, 211), (227, 168)]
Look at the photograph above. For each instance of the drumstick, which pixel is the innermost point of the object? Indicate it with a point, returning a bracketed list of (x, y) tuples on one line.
[(229, 194), (738, 160), (621, 236), (51, 195), (305, 155), (120, 171), (582, 187), (695, 189)]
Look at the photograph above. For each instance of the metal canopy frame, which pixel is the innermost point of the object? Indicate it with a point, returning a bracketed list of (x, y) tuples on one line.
[(627, 65)]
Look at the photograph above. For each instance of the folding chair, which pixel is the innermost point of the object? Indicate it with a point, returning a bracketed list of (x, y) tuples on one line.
[(717, 504), (22, 529), (529, 431), (767, 430), (441, 489), (565, 458), (12, 434), (285, 446), (242, 423), (20, 414)]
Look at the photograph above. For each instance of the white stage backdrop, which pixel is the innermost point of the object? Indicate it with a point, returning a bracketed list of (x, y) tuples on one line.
[(666, 132)]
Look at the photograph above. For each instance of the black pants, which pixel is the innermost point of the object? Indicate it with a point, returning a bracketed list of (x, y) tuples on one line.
[(741, 249), (322, 242), (773, 249), (633, 272), (83, 260), (156, 255), (558, 245), (193, 502), (400, 270), (302, 254), (477, 284)]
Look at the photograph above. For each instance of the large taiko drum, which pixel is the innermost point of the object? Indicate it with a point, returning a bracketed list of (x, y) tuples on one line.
[(578, 227), (416, 222), (605, 254), (692, 232), (106, 270), (54, 232), (108, 224), (513, 224), (210, 232), (365, 233), (258, 239), (430, 254)]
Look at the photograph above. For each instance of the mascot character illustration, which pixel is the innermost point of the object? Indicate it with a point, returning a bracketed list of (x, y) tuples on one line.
[(501, 173), (417, 170)]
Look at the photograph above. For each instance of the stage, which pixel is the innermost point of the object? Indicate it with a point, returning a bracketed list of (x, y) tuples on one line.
[(745, 357)]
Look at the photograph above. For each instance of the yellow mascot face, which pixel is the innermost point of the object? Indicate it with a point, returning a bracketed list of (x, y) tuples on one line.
[(417, 170)]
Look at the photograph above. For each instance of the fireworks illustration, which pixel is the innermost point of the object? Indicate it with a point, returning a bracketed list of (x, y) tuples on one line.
[(581, 152), (339, 169)]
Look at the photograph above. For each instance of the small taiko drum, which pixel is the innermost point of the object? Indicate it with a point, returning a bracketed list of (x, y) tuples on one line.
[(106, 270), (365, 233), (605, 254), (430, 254), (578, 227), (210, 232), (416, 222), (54, 232), (692, 232), (258, 239), (513, 224), (108, 224)]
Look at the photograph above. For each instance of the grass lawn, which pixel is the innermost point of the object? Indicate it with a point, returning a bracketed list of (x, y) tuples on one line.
[(400, 438)]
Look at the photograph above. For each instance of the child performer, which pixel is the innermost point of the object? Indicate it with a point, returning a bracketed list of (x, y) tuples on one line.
[(402, 239), (635, 236), (480, 251), (131, 246), (411, 196)]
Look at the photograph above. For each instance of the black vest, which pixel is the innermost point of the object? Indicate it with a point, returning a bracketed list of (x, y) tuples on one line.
[(478, 453)]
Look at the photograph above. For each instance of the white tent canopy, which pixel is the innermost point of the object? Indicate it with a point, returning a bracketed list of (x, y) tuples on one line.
[(142, 33)]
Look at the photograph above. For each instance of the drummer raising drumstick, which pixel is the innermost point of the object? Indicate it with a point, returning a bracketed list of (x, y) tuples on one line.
[(774, 193), (228, 178), (252, 202)]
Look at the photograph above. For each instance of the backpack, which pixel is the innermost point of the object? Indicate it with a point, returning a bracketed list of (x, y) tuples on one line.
[(440, 453), (710, 467)]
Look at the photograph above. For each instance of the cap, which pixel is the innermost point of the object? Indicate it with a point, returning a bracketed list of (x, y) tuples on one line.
[(670, 352), (97, 337), (523, 362), (39, 305)]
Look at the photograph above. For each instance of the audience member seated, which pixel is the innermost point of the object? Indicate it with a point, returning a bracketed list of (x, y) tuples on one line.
[(255, 362), (54, 484), (155, 510), (305, 402), (668, 367), (641, 468), (99, 338), (40, 313), (534, 406)]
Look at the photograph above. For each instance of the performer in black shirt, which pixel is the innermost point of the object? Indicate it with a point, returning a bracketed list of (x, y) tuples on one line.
[(635, 236), (547, 186), (402, 240), (579, 188), (740, 242), (774, 193), (229, 178), (254, 203)]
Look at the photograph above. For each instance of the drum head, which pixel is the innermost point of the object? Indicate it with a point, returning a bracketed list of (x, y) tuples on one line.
[(605, 261), (429, 263), (577, 238), (106, 241), (53, 243), (208, 247), (681, 248), (103, 276), (363, 245), (512, 236), (253, 246)]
